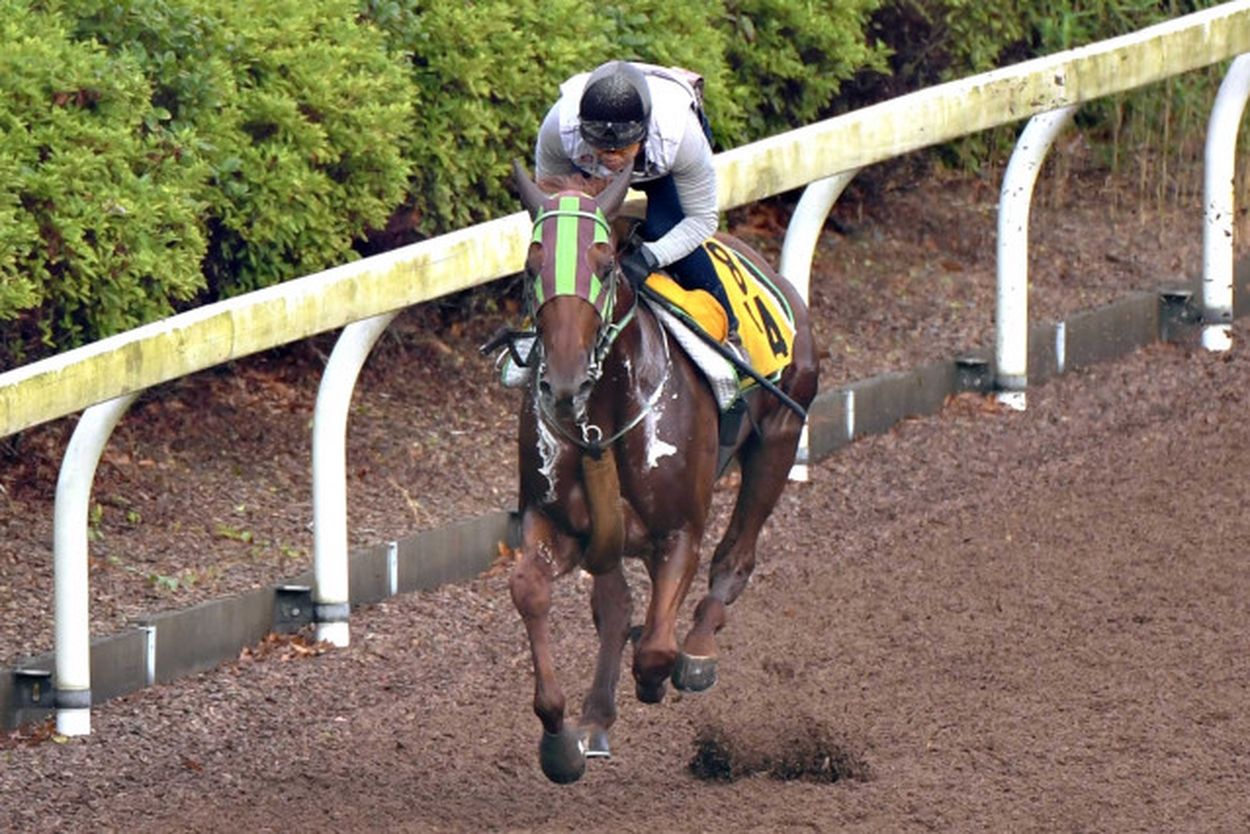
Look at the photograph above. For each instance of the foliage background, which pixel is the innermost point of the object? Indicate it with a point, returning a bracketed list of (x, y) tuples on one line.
[(156, 154)]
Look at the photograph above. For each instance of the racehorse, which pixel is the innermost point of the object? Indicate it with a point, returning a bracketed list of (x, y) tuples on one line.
[(618, 453)]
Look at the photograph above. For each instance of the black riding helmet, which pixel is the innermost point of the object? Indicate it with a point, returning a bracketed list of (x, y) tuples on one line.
[(615, 106)]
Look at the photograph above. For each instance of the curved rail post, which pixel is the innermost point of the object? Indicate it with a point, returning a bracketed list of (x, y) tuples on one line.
[(71, 599), (1217, 229), (331, 603), (1011, 316), (797, 251)]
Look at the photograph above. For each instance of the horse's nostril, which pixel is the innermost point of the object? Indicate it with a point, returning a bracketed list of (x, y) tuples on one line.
[(544, 388), (583, 390)]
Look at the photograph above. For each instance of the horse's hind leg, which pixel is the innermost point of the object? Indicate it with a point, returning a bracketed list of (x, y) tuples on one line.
[(561, 750), (611, 607), (765, 468), (671, 575)]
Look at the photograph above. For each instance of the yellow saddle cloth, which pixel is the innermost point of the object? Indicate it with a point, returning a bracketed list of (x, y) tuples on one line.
[(765, 320)]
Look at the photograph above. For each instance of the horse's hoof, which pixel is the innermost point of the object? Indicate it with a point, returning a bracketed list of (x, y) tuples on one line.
[(650, 693), (562, 756), (595, 740), (694, 674)]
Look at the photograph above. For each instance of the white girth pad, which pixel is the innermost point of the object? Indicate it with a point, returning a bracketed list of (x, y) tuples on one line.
[(720, 373)]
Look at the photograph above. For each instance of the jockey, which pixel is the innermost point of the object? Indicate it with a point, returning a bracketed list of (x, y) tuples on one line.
[(650, 119)]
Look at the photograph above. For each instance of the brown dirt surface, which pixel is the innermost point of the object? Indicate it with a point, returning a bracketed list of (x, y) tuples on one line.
[(982, 620)]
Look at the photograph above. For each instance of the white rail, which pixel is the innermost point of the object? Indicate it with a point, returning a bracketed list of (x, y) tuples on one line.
[(1218, 228), (329, 452), (828, 153), (797, 252), (70, 591), (1011, 323)]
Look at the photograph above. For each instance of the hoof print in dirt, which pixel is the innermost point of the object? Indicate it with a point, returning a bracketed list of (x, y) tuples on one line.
[(802, 751)]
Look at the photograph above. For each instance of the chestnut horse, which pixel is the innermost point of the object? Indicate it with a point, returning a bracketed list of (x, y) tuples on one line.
[(618, 451)]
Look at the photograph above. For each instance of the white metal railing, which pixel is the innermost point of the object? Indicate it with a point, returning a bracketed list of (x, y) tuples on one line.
[(329, 451), (1217, 228), (364, 295), (797, 252), (1011, 323)]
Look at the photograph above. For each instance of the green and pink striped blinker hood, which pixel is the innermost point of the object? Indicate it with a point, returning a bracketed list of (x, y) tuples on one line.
[(566, 229)]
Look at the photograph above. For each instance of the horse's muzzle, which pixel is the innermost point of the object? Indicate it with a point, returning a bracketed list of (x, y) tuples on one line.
[(564, 399)]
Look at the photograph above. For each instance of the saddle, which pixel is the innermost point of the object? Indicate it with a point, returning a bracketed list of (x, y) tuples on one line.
[(765, 320)]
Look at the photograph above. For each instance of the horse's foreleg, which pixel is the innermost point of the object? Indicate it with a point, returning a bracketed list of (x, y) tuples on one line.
[(560, 752), (611, 607), (765, 468), (671, 571)]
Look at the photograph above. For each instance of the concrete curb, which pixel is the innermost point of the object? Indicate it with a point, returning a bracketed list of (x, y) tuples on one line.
[(174, 644)]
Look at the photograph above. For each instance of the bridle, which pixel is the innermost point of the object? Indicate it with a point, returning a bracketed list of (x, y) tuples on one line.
[(567, 277)]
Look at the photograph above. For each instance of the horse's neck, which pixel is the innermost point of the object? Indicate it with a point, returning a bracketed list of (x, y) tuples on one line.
[(641, 347)]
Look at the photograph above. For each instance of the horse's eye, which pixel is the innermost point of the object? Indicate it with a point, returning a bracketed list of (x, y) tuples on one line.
[(601, 260), (534, 259)]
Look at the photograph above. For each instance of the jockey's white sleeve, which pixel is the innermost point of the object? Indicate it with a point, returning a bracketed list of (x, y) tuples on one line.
[(550, 159), (695, 178)]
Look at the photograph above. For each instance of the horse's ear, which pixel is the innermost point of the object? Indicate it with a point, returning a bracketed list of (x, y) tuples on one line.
[(611, 198), (532, 196)]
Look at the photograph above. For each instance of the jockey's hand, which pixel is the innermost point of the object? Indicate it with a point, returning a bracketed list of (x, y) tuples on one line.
[(638, 264)]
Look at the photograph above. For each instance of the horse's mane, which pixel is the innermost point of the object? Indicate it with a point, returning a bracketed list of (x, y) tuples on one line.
[(590, 186)]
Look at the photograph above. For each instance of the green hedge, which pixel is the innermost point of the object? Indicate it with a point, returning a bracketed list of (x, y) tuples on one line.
[(281, 138), (99, 222), (790, 59), (298, 109), (482, 74)]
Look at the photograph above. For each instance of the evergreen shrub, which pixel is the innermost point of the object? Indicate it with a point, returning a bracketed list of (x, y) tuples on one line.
[(297, 107), (484, 75), (99, 216), (790, 58)]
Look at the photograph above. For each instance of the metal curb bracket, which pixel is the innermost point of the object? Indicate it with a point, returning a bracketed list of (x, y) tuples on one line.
[(293, 608), (32, 688)]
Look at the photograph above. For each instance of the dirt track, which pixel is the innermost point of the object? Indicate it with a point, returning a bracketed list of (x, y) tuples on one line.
[(1024, 622)]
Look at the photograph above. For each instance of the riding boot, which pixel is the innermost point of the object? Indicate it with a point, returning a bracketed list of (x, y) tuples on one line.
[(731, 421)]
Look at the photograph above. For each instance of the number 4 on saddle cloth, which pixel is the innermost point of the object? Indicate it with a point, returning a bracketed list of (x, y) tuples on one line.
[(765, 320)]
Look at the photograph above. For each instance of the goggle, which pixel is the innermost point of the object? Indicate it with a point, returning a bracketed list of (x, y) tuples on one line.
[(612, 135)]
